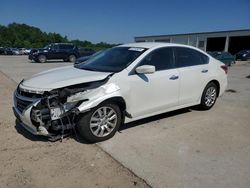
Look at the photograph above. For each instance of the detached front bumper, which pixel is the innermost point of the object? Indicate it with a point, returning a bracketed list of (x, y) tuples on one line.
[(22, 110), (24, 122)]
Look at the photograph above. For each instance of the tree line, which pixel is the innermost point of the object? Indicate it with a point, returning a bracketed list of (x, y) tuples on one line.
[(25, 36)]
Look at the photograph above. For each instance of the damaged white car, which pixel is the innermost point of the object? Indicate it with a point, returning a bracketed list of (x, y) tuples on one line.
[(121, 84)]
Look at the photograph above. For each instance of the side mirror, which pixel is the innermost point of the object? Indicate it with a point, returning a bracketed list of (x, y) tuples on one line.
[(145, 69)]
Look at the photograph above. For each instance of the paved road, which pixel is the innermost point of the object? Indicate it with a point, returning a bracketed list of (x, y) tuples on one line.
[(185, 148)]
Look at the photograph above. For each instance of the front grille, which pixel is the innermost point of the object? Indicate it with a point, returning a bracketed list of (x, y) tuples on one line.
[(24, 99), (22, 104)]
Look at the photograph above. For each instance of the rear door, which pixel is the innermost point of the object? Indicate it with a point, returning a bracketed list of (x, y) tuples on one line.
[(194, 73), (63, 51)]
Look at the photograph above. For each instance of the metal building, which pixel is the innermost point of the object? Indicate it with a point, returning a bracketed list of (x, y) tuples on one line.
[(230, 41)]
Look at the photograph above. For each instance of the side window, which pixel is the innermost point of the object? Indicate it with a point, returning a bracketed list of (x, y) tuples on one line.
[(61, 47), (65, 47), (56, 47), (69, 47), (161, 58), (188, 57)]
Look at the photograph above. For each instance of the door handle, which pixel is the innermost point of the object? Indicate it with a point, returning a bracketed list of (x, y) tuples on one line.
[(174, 77), (204, 71)]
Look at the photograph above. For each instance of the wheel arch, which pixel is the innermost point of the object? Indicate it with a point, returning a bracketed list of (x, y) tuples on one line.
[(217, 83), (120, 102), (117, 100)]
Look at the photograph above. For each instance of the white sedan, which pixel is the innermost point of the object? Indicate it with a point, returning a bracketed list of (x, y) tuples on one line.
[(119, 85)]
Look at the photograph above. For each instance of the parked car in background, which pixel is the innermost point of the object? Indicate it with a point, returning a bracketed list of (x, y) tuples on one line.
[(2, 50), (16, 51), (21, 51), (27, 51), (224, 57), (86, 52), (65, 51), (85, 58), (8, 51), (243, 55), (122, 84)]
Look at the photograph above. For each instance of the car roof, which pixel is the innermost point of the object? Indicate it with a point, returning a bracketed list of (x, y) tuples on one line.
[(153, 45), (62, 43)]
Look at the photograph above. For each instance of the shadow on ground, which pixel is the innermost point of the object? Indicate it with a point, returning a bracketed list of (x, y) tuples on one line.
[(21, 130), (28, 135), (76, 137), (156, 118)]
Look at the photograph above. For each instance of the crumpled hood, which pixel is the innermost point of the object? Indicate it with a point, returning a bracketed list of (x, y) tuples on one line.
[(61, 77)]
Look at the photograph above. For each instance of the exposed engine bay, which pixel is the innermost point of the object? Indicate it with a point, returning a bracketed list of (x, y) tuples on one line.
[(54, 113)]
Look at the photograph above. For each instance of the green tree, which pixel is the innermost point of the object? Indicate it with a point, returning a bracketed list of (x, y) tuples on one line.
[(23, 35)]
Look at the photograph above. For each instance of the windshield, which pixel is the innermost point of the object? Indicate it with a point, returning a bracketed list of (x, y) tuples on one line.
[(112, 60), (48, 46)]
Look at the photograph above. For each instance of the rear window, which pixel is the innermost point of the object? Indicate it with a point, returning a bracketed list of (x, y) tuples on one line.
[(189, 57), (66, 46)]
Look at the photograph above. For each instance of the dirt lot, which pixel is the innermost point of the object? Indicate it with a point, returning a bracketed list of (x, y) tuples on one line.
[(27, 161), (185, 148)]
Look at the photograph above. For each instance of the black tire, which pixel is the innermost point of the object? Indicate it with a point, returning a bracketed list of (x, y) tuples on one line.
[(83, 124), (204, 105), (41, 58), (72, 58)]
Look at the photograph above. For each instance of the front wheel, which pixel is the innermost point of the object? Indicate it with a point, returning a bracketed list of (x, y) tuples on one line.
[(209, 96), (72, 58), (42, 58), (101, 123)]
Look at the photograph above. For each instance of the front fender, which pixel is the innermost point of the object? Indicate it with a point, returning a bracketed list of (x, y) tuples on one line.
[(99, 95)]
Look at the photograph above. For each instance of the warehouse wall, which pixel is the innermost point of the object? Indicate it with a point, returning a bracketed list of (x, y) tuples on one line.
[(201, 40)]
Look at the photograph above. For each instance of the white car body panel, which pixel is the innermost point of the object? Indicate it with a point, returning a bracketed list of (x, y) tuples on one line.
[(61, 77), (192, 77), (144, 94), (152, 92)]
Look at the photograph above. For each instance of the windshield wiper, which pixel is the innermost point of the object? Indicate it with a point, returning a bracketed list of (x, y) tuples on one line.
[(87, 68)]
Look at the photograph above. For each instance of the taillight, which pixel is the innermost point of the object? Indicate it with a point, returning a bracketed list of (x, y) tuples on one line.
[(225, 68)]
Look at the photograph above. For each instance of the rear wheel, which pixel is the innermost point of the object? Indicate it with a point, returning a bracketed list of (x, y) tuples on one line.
[(101, 123), (209, 96), (42, 58)]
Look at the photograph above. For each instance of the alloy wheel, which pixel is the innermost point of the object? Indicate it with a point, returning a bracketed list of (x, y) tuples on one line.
[(103, 121), (210, 96)]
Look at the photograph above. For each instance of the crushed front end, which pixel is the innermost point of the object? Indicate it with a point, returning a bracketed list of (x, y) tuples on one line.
[(49, 113)]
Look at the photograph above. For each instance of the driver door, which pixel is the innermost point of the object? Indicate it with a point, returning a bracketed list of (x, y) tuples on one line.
[(156, 92)]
